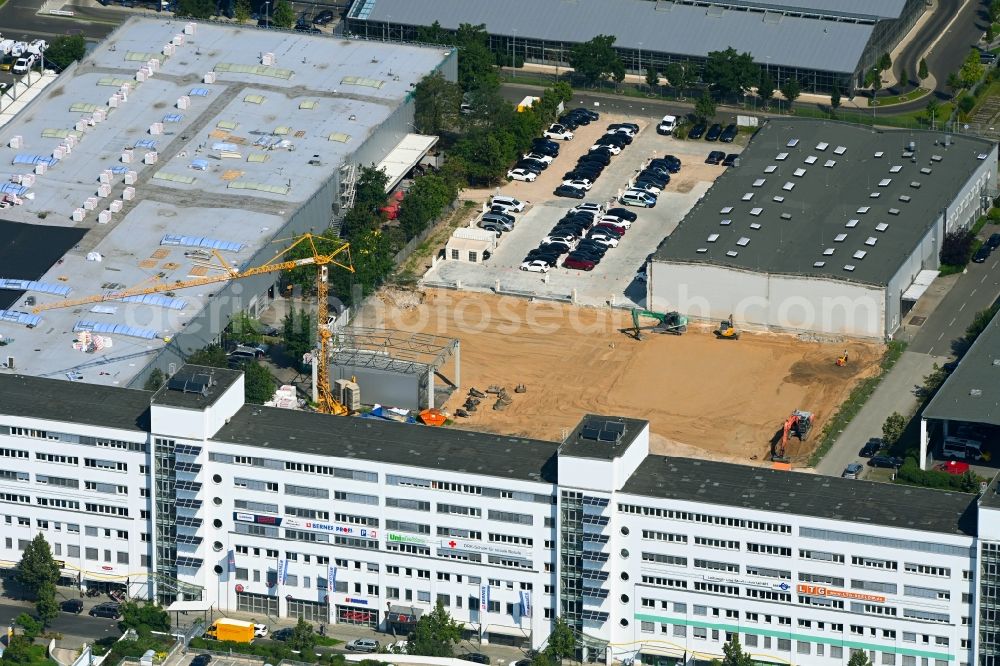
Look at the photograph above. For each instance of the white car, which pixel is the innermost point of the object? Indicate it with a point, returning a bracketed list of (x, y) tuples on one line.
[(667, 125), (588, 206), (535, 266), (613, 149), (558, 132), (539, 157), (622, 130), (510, 202), (580, 184), (260, 631), (606, 241), (566, 240), (522, 174), (22, 65), (647, 187), (617, 221)]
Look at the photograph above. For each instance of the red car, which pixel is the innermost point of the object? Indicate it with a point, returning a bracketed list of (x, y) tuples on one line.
[(614, 227), (953, 467), (579, 264)]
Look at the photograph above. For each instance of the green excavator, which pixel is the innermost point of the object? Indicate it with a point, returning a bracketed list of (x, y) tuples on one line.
[(673, 323)]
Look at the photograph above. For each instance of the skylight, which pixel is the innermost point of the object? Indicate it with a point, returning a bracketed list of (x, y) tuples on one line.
[(863, 210), (743, 241), (789, 186), (840, 238), (726, 223), (713, 237), (925, 170), (792, 143), (822, 145), (871, 241), (819, 264), (770, 168), (781, 156), (829, 164), (851, 224), (881, 226), (840, 150), (748, 196), (799, 172), (756, 211), (777, 199), (893, 211), (905, 198), (860, 254), (878, 154), (828, 251), (810, 160), (885, 182), (732, 253), (755, 225), (874, 195), (759, 182), (726, 210), (915, 184), (849, 267), (895, 168)]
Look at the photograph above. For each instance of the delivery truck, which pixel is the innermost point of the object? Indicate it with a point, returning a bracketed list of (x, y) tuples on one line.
[(231, 630)]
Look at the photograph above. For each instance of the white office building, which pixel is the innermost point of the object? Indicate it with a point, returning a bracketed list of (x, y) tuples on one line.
[(188, 494)]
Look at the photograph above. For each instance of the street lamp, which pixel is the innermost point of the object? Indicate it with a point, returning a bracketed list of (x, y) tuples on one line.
[(639, 68), (267, 16)]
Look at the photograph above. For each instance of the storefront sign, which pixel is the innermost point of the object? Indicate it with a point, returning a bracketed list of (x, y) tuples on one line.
[(749, 582), (393, 537), (256, 518), (352, 530), (487, 548), (354, 600), (820, 591)]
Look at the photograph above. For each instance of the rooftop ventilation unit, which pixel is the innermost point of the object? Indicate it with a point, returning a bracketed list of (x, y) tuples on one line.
[(849, 268), (829, 164), (702, 250), (936, 158), (798, 173), (860, 254), (770, 168), (713, 237), (786, 216), (881, 226), (819, 264), (840, 238), (810, 160), (822, 145), (743, 241), (726, 222), (781, 156), (981, 156), (851, 224), (976, 393), (871, 241), (828, 252), (874, 195), (925, 170), (792, 143)]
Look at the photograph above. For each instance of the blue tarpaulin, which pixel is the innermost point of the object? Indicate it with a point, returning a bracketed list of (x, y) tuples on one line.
[(28, 158), (13, 188)]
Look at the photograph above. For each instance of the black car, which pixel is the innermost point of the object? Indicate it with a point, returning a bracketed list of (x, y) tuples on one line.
[(993, 242), (569, 122), (595, 163), (264, 22), (622, 214), (715, 157), (714, 132), (201, 660), (571, 192), (548, 143), (72, 606), (890, 462), (619, 139), (730, 159), (673, 162), (324, 17), (871, 447), (660, 179), (729, 133), (529, 165), (544, 149), (581, 174), (560, 248), (607, 231), (657, 167), (282, 634), (550, 258), (539, 163), (593, 115), (305, 27), (697, 131), (477, 657), (630, 126), (601, 157), (106, 610), (982, 254)]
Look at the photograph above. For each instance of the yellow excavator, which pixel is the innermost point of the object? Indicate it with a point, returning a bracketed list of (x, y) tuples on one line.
[(727, 330), (673, 323)]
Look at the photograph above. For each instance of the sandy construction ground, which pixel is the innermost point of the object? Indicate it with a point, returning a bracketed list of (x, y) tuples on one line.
[(699, 393)]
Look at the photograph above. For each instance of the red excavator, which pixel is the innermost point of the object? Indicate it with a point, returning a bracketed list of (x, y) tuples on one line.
[(798, 424)]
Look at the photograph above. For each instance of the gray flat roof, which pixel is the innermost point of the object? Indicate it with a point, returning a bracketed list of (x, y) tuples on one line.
[(195, 387), (74, 402), (376, 440), (601, 437), (826, 181), (641, 24), (762, 489), (991, 497), (214, 179), (972, 392), (858, 9)]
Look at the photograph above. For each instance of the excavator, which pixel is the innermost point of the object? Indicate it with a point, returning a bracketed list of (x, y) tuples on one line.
[(727, 330), (842, 360), (673, 323), (799, 423)]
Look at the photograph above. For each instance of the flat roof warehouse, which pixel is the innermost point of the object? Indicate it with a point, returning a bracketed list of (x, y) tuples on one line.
[(159, 172), (826, 199)]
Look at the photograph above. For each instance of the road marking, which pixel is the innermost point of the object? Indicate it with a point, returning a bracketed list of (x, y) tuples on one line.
[(942, 334), (972, 293), (950, 325), (960, 309), (983, 280)]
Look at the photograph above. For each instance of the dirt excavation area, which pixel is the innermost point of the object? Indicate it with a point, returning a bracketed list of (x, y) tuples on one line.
[(702, 396)]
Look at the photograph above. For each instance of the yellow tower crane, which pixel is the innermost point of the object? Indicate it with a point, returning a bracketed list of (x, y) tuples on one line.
[(340, 257)]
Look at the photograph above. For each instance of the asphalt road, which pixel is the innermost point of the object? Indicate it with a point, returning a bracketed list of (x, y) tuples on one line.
[(909, 58), (75, 629), (19, 19)]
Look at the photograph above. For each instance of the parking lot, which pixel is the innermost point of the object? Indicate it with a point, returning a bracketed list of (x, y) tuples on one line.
[(613, 279), (184, 659)]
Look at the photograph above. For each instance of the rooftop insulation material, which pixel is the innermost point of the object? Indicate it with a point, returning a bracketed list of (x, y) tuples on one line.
[(53, 133), (260, 70), (227, 124), (174, 177), (173, 118), (222, 145), (259, 187), (31, 285), (198, 241), (118, 169), (199, 92), (119, 329), (339, 136), (24, 318), (142, 56), (104, 309), (82, 107), (362, 81), (281, 130), (308, 104), (256, 157), (113, 81), (254, 99), (145, 143), (157, 299)]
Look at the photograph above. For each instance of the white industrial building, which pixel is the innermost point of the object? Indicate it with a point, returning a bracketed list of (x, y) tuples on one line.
[(188, 494), (823, 227)]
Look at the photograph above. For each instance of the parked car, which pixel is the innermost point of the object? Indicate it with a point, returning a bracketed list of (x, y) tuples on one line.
[(667, 125), (644, 185), (571, 192), (615, 223), (620, 139), (714, 132), (730, 160), (715, 157), (569, 122), (201, 660), (637, 198), (510, 202), (108, 609), (522, 175), (982, 254), (283, 634), (260, 631), (993, 241), (871, 447), (581, 183), (607, 241), (72, 606), (558, 132), (697, 131), (363, 645), (542, 144), (600, 156), (541, 157), (495, 226), (305, 27), (477, 657), (622, 214), (852, 471), (672, 161), (579, 264), (582, 174), (535, 266), (22, 65), (593, 115), (632, 128), (890, 462), (729, 133), (324, 17), (532, 164), (610, 147)]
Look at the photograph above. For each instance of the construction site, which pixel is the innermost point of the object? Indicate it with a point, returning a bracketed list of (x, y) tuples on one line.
[(704, 393)]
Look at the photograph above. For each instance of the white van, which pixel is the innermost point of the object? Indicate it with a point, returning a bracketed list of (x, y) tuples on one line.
[(637, 198), (513, 204), (962, 449), (667, 125)]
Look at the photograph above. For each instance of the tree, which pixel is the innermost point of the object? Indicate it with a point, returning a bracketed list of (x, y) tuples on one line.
[(155, 380), (980, 322), (791, 89), (596, 59), (966, 103), (283, 15), (244, 329), (425, 201), (884, 62), (476, 62), (859, 658), (733, 655), (904, 77), (435, 634), (876, 84), (303, 638), (199, 9), (956, 248), (144, 617), (972, 69), (954, 82), (242, 11), (731, 72), (563, 91), (433, 34), (37, 567), (990, 34), (922, 72), (298, 335), (994, 11), (932, 109), (436, 102), (652, 77), (258, 383), (704, 108), (29, 626), (765, 89), (893, 428), (562, 641), (676, 75), (934, 380), (46, 606), (835, 98), (212, 356), (64, 50)]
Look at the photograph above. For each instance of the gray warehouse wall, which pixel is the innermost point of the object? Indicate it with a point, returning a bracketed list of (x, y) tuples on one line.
[(392, 389)]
